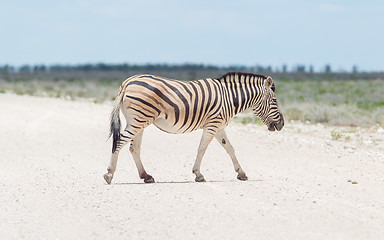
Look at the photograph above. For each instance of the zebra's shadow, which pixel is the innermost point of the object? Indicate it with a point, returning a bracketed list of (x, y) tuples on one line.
[(187, 182)]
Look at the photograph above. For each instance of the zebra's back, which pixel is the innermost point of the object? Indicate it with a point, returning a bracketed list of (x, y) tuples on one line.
[(173, 106)]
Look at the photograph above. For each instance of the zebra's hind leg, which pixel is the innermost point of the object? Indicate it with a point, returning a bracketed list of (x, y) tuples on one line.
[(135, 151), (207, 137), (222, 138), (126, 136), (124, 139)]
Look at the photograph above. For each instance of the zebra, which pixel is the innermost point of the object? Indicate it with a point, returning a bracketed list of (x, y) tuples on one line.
[(177, 107)]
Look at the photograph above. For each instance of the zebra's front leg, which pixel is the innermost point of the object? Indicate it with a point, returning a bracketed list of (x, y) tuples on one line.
[(135, 151), (113, 162), (222, 138), (207, 137)]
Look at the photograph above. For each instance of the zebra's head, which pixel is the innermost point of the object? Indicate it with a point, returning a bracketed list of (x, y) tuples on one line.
[(267, 109)]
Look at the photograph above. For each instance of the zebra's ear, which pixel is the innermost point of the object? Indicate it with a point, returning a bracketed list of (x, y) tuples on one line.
[(268, 82)]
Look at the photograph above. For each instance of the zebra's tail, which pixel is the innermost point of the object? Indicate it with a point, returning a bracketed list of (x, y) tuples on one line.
[(115, 121)]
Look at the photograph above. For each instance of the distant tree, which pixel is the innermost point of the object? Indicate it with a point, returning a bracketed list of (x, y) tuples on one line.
[(259, 68), (355, 69), (101, 67), (56, 68), (39, 68), (7, 69), (25, 69), (327, 68), (300, 69), (284, 68), (310, 69)]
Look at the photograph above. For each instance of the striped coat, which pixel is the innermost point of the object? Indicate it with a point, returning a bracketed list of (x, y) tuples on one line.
[(179, 107)]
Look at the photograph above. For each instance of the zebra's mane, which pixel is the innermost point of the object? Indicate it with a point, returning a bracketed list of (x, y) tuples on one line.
[(239, 74)]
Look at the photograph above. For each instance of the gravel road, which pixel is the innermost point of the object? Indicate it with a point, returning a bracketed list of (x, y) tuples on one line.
[(302, 184)]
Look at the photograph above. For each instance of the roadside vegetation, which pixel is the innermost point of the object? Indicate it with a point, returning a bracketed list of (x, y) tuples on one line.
[(347, 103), (97, 91), (342, 100)]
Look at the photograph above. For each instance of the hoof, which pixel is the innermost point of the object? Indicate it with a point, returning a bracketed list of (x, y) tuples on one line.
[(242, 177), (108, 177), (199, 179), (149, 179)]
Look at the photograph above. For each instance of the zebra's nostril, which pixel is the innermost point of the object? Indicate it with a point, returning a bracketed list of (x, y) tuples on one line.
[(272, 127)]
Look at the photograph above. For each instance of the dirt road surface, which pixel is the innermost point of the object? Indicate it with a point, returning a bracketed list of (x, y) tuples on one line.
[(302, 184)]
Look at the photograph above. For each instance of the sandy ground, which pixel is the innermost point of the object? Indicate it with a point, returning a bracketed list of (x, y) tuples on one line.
[(302, 184)]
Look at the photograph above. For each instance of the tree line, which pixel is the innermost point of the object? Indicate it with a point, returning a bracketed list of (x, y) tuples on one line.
[(299, 68), (187, 71)]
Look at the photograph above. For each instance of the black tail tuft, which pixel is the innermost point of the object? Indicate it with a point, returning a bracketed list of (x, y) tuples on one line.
[(115, 129), (115, 124)]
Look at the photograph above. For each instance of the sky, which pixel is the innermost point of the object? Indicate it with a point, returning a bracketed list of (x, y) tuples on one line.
[(241, 32)]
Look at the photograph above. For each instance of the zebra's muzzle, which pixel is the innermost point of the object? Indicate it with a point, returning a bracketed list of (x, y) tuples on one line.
[(277, 125)]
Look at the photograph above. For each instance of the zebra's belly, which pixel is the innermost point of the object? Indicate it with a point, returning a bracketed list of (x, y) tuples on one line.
[(168, 126)]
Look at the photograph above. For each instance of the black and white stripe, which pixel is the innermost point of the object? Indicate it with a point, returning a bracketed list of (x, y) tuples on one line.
[(179, 107)]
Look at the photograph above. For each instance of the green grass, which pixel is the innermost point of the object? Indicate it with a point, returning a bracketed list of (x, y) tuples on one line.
[(365, 94), (336, 135), (347, 103)]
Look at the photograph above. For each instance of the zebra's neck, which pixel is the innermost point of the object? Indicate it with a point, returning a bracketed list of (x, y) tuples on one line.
[(242, 90)]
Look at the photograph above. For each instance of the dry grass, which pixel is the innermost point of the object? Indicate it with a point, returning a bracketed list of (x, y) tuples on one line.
[(346, 103), (96, 91)]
